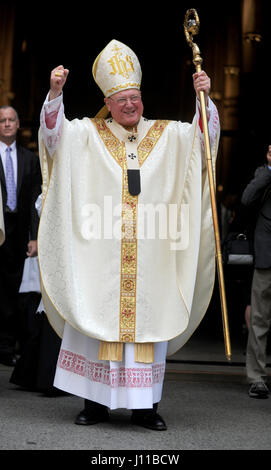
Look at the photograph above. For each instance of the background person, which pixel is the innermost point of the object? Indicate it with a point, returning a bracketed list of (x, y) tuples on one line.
[(20, 178), (35, 368), (257, 196)]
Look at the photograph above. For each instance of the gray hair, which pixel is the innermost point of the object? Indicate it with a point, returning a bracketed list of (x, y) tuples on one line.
[(6, 106)]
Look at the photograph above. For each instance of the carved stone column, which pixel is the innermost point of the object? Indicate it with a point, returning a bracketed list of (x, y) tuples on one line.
[(6, 52), (255, 82), (230, 118)]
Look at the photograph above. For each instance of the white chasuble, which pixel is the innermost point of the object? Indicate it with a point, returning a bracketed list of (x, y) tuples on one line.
[(122, 268)]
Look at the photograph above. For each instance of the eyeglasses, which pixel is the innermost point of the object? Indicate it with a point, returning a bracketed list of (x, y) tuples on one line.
[(121, 101)]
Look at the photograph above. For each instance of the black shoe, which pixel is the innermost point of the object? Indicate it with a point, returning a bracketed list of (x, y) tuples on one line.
[(258, 390), (8, 360), (149, 419), (96, 415)]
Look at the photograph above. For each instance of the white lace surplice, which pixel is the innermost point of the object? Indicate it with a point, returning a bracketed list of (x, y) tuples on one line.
[(125, 384)]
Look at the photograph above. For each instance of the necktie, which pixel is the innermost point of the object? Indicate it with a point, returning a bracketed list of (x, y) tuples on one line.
[(10, 182)]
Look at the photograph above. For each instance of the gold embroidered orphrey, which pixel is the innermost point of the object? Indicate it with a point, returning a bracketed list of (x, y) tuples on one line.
[(127, 318)]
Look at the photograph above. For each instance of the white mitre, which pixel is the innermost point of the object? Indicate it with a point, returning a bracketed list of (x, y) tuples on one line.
[(116, 68)]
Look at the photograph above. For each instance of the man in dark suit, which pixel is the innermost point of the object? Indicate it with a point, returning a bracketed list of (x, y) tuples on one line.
[(258, 195), (20, 177)]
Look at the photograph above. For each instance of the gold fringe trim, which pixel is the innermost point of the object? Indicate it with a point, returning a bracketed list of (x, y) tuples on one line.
[(110, 351), (144, 352)]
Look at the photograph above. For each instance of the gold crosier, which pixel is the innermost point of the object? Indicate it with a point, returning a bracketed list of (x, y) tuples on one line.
[(191, 28)]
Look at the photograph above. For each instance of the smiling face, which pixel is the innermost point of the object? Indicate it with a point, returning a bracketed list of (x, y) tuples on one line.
[(126, 107), (9, 125)]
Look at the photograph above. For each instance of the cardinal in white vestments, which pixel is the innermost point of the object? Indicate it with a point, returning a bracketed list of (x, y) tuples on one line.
[(126, 246)]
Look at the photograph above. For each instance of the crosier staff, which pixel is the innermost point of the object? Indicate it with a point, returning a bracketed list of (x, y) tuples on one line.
[(191, 28)]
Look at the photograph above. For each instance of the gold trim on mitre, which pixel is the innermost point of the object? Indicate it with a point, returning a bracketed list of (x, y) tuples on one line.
[(116, 68), (94, 66), (103, 113)]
